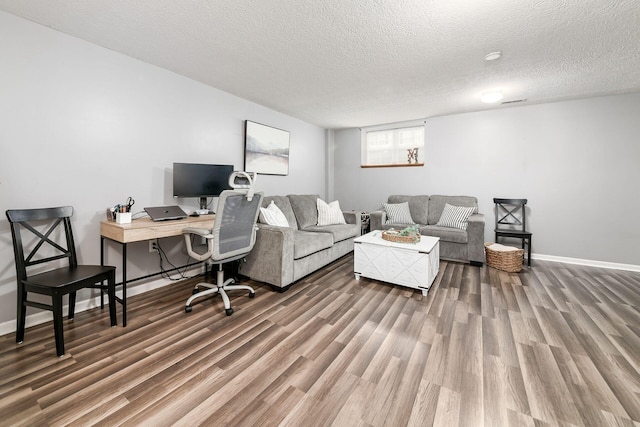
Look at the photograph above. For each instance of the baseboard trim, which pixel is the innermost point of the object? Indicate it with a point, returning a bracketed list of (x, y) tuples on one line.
[(587, 262), (43, 316)]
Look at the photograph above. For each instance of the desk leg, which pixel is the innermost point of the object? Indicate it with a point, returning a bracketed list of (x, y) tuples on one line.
[(122, 300), (124, 284), (102, 263)]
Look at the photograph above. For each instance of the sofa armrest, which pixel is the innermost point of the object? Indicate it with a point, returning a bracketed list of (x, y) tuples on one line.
[(352, 217), (271, 259), (376, 219), (475, 231)]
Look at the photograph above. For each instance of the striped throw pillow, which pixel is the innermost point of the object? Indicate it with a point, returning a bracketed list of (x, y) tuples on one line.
[(329, 213), (455, 216), (398, 213), (272, 215)]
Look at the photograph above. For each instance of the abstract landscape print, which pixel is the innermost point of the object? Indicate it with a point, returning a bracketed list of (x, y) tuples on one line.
[(266, 149)]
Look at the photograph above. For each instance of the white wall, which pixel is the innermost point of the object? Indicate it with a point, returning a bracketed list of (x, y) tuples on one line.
[(577, 162), (85, 126)]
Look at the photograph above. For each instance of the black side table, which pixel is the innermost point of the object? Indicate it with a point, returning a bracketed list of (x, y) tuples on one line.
[(364, 221)]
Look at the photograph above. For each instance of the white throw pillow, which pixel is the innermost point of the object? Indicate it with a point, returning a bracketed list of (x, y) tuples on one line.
[(329, 213), (272, 215), (398, 213), (455, 216)]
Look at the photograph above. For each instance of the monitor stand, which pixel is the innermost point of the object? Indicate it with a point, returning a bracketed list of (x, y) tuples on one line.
[(203, 206)]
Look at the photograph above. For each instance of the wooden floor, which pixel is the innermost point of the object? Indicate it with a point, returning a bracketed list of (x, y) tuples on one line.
[(553, 345)]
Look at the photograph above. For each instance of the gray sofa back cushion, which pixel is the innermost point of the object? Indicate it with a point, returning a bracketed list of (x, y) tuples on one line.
[(436, 205), (418, 206), (285, 206), (305, 209)]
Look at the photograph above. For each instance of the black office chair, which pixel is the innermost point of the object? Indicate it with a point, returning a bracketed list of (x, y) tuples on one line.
[(511, 222), (48, 243), (232, 238)]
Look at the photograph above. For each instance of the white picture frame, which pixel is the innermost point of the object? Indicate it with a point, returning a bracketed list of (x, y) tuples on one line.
[(266, 149)]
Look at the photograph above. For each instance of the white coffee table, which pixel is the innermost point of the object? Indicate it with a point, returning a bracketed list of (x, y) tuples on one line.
[(414, 265)]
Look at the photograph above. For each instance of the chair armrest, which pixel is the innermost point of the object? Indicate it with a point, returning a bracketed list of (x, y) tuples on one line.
[(376, 219), (202, 232), (352, 217)]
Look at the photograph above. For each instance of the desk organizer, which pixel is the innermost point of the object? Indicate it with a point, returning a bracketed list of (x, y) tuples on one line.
[(123, 217)]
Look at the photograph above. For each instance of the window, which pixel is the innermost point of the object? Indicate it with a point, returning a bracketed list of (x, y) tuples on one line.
[(393, 145)]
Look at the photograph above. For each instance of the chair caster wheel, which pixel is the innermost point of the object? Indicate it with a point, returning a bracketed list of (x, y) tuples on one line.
[(229, 311), (252, 294), (195, 291), (188, 309)]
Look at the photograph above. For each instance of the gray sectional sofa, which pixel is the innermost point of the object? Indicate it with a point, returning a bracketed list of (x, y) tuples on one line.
[(283, 255), (455, 244)]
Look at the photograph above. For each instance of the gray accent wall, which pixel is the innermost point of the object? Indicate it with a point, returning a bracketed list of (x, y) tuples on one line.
[(578, 163), (85, 126)]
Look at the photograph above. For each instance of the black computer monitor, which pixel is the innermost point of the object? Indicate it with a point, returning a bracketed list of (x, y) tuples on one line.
[(200, 180)]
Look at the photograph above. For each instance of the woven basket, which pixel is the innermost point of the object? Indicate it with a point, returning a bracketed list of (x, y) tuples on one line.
[(505, 260), (395, 237)]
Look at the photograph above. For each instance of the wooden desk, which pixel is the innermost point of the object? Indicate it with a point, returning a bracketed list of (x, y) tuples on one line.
[(141, 230)]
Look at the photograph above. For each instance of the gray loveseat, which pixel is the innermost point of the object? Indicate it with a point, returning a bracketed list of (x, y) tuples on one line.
[(283, 255), (455, 244)]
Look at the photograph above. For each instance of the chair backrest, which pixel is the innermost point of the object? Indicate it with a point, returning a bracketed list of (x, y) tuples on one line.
[(234, 228), (510, 214), (51, 242)]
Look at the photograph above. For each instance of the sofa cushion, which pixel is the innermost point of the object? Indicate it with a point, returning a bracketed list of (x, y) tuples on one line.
[(418, 206), (445, 234), (305, 209), (455, 216), (307, 242), (436, 205), (398, 213), (272, 215), (398, 198), (285, 206), (339, 232), (329, 213)]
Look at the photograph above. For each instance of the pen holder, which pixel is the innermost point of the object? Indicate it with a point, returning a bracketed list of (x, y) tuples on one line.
[(123, 217)]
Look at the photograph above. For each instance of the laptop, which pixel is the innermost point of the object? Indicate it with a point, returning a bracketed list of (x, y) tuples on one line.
[(164, 213)]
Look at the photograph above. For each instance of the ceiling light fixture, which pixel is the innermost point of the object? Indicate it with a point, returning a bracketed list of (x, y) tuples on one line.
[(491, 97), (492, 56)]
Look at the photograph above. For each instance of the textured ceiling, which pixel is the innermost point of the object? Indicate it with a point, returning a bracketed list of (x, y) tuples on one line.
[(340, 63)]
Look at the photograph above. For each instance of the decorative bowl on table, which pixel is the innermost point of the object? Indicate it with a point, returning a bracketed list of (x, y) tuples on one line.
[(410, 234)]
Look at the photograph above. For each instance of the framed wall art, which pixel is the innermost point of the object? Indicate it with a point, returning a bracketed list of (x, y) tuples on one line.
[(266, 149)]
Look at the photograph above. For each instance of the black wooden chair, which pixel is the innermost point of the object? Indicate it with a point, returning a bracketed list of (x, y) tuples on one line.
[(48, 243), (511, 222)]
